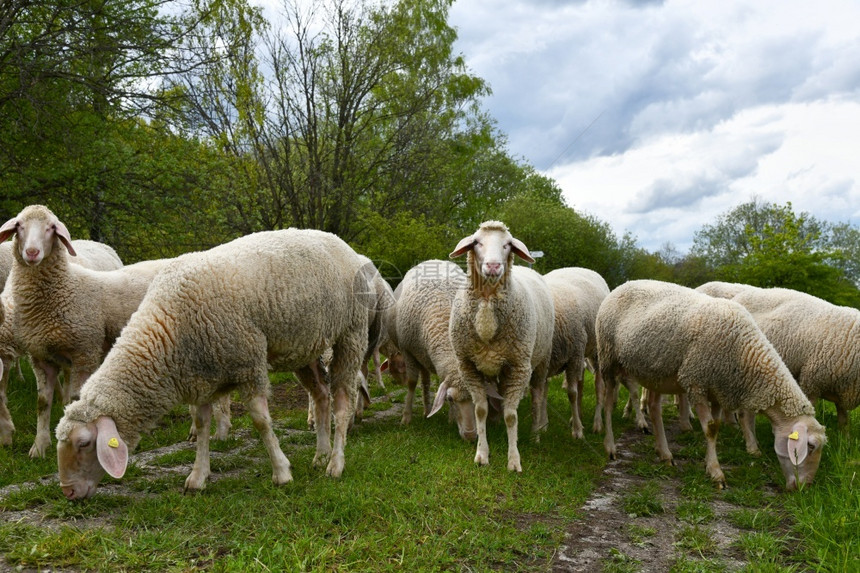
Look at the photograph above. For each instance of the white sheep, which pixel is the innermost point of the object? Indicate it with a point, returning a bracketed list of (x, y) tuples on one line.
[(210, 323), (418, 328), (90, 254), (577, 294), (672, 339), (65, 315), (379, 299), (818, 341), (501, 328)]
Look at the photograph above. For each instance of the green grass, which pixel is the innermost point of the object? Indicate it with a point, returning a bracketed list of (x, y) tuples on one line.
[(411, 497), (643, 502)]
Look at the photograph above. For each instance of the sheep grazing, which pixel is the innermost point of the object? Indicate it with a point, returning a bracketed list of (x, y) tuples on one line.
[(380, 298), (577, 294), (210, 323), (818, 341), (66, 316), (672, 339), (418, 327), (501, 328)]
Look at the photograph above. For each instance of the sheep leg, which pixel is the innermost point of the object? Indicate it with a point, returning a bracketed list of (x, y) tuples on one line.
[(574, 396), (684, 412), (842, 418), (655, 411), (633, 402), (426, 394), (540, 419), (711, 427), (311, 408), (347, 359), (747, 423), (258, 407), (46, 381), (319, 404), (511, 423), (482, 454), (7, 428), (342, 416), (221, 411), (377, 363), (610, 396), (196, 480), (599, 387)]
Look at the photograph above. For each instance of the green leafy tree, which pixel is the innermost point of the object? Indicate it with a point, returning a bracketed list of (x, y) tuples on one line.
[(566, 237), (787, 251), (730, 238)]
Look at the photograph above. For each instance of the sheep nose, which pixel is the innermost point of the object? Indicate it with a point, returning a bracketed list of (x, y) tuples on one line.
[(493, 268), (69, 492), (32, 253)]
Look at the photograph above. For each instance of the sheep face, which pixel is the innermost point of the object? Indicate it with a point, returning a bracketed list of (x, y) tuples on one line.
[(463, 409), (35, 229), (86, 453), (798, 448), (491, 247)]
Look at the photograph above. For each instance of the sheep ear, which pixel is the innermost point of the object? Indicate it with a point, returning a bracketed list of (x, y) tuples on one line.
[(8, 229), (794, 445), (494, 399), (63, 233), (439, 400), (111, 450), (384, 366), (521, 250), (365, 391), (492, 391), (463, 246)]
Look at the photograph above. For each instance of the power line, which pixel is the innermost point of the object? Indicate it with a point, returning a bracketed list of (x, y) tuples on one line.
[(581, 133)]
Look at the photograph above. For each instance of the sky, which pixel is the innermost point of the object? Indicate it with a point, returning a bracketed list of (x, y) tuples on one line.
[(657, 117)]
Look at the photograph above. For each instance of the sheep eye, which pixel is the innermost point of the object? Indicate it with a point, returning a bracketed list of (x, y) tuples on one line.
[(84, 444)]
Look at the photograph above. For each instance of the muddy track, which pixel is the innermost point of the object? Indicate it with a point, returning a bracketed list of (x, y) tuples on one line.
[(606, 537)]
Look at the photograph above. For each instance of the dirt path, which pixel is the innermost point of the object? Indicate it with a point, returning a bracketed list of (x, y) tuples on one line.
[(609, 538)]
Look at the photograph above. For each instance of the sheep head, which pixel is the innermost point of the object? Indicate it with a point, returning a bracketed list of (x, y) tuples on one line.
[(35, 229), (492, 248), (85, 452), (461, 407), (798, 446)]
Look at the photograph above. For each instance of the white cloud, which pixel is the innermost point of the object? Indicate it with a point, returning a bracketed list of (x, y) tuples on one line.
[(696, 105), (668, 186)]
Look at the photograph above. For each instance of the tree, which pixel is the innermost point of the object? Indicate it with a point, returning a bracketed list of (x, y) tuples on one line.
[(728, 241), (362, 109), (566, 238), (782, 250), (76, 76)]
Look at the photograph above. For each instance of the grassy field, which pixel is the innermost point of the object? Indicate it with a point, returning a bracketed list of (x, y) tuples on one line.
[(412, 498)]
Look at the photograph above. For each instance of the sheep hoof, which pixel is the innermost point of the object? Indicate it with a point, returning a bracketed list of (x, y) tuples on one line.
[(321, 459), (755, 453), (193, 485), (335, 466), (38, 449)]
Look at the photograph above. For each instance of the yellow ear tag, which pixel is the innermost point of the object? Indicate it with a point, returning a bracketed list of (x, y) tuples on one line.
[(791, 436), (114, 443)]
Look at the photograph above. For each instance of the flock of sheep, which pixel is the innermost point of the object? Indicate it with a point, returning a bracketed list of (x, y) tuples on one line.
[(133, 341)]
